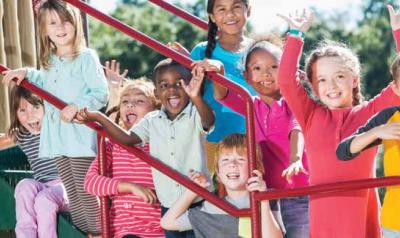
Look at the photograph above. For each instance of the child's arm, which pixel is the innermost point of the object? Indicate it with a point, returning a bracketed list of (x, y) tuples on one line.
[(116, 132), (296, 139), (370, 135), (6, 141), (170, 220), (193, 91), (289, 77), (270, 228)]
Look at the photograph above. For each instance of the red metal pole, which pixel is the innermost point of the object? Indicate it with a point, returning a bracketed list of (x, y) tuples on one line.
[(104, 200), (181, 13)]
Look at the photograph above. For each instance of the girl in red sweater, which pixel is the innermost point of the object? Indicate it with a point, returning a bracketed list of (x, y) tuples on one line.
[(334, 73), (135, 211)]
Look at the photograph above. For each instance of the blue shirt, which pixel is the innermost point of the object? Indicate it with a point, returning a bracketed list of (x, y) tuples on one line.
[(226, 120), (80, 81)]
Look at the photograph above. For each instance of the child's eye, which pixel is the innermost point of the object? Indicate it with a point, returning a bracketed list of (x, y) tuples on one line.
[(21, 110), (139, 101), (179, 84), (321, 80), (340, 76), (124, 102), (163, 85), (274, 66), (37, 107)]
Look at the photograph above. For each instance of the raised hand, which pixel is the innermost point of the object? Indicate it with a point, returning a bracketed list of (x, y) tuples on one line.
[(112, 71), (194, 87), (20, 74), (394, 17), (256, 183), (301, 20), (199, 178)]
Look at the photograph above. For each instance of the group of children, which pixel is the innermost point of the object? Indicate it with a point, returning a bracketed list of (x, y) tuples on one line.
[(186, 121)]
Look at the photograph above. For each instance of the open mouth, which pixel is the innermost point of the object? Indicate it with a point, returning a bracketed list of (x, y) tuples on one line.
[(334, 95), (34, 126), (174, 101), (61, 35), (131, 118), (266, 83), (233, 175)]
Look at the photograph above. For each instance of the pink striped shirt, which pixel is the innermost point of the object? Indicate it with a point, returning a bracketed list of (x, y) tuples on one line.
[(129, 214)]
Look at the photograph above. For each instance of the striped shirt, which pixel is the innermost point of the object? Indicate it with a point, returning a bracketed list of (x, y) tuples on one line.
[(44, 169), (129, 213)]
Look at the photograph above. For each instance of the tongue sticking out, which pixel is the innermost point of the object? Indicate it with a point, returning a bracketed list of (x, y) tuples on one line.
[(131, 118), (174, 102)]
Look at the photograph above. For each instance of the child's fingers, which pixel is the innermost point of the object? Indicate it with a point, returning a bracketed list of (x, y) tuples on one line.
[(19, 81), (257, 173), (391, 10), (284, 17), (107, 65), (125, 73)]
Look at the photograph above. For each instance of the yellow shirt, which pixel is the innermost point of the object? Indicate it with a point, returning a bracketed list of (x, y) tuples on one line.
[(390, 217)]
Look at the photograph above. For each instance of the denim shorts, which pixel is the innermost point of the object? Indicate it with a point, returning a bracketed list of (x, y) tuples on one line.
[(294, 212), (389, 233)]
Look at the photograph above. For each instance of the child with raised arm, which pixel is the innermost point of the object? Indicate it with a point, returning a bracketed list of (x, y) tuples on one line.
[(334, 73), (174, 133), (277, 132), (383, 128), (73, 73), (134, 210), (231, 166), (37, 200)]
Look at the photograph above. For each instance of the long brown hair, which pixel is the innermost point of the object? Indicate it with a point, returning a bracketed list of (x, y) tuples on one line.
[(17, 94), (345, 54), (66, 12)]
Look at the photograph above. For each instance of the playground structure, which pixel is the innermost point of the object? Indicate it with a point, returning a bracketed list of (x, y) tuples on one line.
[(255, 197)]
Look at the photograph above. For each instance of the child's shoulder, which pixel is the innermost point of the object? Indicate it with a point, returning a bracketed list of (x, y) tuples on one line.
[(87, 53)]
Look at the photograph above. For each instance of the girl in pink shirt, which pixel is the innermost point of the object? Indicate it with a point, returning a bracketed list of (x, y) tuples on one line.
[(135, 211), (334, 73), (277, 131)]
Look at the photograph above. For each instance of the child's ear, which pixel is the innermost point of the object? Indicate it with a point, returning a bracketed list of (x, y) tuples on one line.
[(246, 75), (356, 81), (212, 18)]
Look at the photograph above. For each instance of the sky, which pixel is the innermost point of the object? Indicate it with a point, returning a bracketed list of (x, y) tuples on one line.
[(263, 15)]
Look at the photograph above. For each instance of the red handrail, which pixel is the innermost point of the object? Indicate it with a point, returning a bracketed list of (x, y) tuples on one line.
[(181, 13)]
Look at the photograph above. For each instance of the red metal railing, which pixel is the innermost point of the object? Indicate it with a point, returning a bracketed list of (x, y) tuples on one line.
[(181, 13)]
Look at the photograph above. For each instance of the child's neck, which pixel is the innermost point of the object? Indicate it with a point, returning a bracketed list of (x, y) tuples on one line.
[(233, 43), (65, 51), (237, 194), (270, 99)]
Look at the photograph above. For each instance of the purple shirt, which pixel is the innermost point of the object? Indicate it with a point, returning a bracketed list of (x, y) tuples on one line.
[(273, 124)]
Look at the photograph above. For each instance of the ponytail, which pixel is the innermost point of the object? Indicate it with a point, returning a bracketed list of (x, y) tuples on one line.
[(211, 38)]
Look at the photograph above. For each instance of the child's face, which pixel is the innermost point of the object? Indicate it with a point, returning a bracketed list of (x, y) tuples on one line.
[(30, 116), (233, 170), (170, 92), (262, 73), (230, 16), (60, 32), (333, 82), (134, 106)]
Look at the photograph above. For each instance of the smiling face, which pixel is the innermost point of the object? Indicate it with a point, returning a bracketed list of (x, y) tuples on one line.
[(60, 31), (230, 16), (170, 92), (134, 106), (262, 73), (30, 116), (333, 82), (233, 169)]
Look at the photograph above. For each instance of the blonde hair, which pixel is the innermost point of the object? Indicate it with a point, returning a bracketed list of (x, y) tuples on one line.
[(144, 85), (333, 49), (238, 142), (66, 12)]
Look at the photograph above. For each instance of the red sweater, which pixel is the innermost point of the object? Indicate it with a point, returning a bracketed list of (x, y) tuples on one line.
[(129, 214), (350, 214)]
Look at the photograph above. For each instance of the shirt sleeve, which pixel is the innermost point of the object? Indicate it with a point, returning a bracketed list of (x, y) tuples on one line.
[(343, 149), (184, 222), (234, 102), (294, 93), (142, 129), (97, 93), (97, 184), (198, 52), (35, 76)]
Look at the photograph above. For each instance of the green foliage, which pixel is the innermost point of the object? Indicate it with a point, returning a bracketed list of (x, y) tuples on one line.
[(152, 21)]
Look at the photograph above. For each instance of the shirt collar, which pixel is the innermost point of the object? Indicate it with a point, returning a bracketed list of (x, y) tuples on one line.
[(187, 110)]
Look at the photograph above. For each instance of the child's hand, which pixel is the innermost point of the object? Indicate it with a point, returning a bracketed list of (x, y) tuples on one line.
[(394, 18), (389, 131), (147, 194), (178, 47), (112, 71), (84, 115), (69, 112), (20, 74), (199, 178), (293, 169), (194, 87), (208, 65), (301, 20), (256, 183)]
